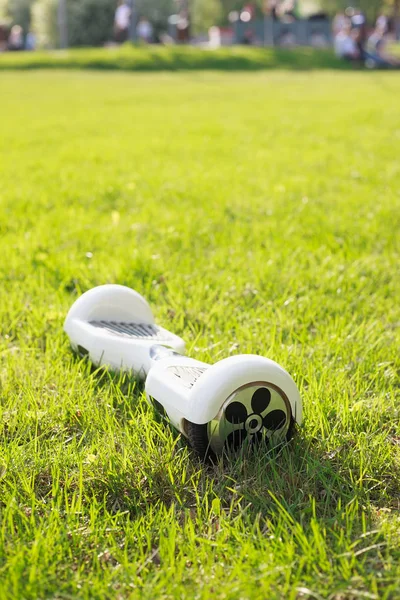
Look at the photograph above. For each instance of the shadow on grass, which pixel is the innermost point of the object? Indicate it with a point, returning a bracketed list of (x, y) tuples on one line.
[(128, 58), (302, 479)]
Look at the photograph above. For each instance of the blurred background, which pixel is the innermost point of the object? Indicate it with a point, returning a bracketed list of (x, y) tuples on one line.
[(50, 24)]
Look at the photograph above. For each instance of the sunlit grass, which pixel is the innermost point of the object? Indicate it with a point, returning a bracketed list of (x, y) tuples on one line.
[(257, 213), (159, 58)]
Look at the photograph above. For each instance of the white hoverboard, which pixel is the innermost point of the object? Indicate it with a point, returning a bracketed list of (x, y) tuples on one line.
[(216, 407)]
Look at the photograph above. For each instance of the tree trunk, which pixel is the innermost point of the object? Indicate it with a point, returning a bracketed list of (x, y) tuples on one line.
[(397, 18), (62, 24), (133, 21)]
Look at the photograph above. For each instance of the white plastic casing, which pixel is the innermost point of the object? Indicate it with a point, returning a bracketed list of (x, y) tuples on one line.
[(115, 303), (188, 390), (170, 381), (199, 401)]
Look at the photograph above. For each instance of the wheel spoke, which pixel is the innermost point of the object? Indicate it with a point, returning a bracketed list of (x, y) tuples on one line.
[(260, 400), (258, 412), (236, 412), (274, 420), (235, 439), (220, 431)]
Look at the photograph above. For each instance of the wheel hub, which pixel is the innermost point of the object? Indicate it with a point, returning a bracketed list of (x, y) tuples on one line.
[(253, 423), (259, 411)]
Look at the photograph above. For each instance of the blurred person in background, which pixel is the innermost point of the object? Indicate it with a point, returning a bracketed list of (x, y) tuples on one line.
[(214, 37), (183, 26), (345, 45), (360, 41), (359, 24), (145, 30), (16, 38), (358, 19), (122, 21), (377, 56), (382, 23), (339, 21), (271, 9), (30, 42)]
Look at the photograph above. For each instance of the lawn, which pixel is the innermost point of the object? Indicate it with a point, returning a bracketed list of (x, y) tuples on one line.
[(173, 58), (258, 212)]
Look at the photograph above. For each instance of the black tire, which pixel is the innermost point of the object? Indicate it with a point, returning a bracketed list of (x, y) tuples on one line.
[(198, 439), (292, 430)]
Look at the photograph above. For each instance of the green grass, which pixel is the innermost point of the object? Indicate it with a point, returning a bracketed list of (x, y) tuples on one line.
[(258, 213), (153, 58)]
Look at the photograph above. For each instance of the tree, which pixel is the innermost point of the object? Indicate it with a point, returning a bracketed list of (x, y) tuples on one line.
[(90, 22), (370, 7), (3, 9), (157, 11), (44, 23), (395, 6), (231, 5), (18, 12), (204, 14)]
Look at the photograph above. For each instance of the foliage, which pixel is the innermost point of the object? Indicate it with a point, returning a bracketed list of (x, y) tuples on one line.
[(90, 22), (258, 213), (44, 23), (204, 14), (230, 5), (3, 9), (371, 7), (157, 11), (17, 11)]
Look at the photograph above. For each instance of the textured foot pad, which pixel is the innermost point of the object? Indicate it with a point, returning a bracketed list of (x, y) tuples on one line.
[(142, 331)]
